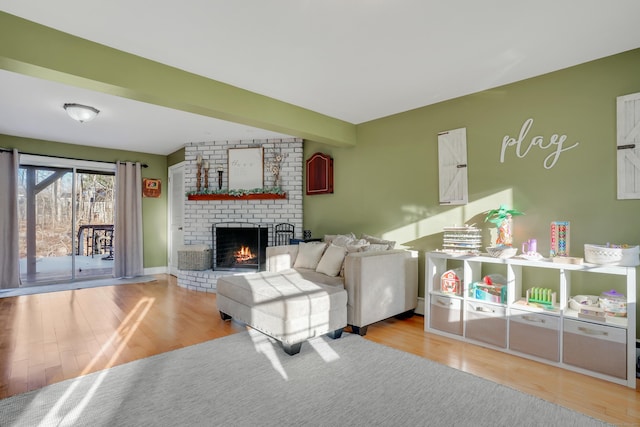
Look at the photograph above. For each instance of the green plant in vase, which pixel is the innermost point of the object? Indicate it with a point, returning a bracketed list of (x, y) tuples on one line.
[(502, 218)]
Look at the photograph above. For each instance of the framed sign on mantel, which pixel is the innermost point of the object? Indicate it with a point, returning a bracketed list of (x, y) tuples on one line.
[(245, 168)]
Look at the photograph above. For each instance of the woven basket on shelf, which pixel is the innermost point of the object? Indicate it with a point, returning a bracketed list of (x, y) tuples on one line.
[(600, 254), (194, 258)]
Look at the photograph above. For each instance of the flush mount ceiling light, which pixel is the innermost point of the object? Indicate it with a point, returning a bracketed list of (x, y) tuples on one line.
[(81, 113)]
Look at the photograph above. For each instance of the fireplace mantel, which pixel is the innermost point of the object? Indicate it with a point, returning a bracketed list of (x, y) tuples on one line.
[(260, 196), (269, 207)]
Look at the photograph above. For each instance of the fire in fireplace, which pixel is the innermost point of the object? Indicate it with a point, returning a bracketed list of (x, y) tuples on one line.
[(244, 255), (240, 247)]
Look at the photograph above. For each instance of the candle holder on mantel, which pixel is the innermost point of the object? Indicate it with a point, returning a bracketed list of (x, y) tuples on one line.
[(206, 175), (198, 172), (220, 170), (274, 166)]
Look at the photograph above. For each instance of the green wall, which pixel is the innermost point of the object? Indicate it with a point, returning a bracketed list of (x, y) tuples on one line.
[(175, 157), (154, 210), (388, 183)]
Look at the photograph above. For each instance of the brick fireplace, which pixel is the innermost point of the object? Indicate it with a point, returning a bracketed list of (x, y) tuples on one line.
[(239, 247), (201, 215)]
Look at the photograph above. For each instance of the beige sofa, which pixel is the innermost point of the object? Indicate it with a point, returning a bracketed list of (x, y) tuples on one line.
[(379, 284), (313, 289)]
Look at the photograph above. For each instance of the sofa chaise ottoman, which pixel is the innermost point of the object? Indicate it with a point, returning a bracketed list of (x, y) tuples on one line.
[(380, 283), (284, 305)]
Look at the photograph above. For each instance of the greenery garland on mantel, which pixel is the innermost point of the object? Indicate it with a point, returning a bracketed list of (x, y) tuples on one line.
[(276, 192)]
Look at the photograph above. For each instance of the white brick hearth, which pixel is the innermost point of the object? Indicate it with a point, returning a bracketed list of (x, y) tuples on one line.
[(200, 215)]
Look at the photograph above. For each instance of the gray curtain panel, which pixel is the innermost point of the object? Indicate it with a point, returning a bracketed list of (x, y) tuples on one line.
[(128, 251), (9, 253)]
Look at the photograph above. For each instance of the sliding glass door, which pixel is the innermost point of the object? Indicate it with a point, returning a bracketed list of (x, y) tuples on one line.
[(66, 222), (45, 212), (94, 220)]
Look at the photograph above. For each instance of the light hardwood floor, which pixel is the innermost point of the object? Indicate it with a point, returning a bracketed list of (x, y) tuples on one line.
[(51, 337)]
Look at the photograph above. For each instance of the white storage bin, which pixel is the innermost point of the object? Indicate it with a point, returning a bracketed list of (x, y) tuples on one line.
[(446, 314), (535, 334), (595, 347), (486, 323)]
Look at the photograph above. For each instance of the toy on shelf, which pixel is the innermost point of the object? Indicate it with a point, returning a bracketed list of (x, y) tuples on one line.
[(451, 281), (502, 218), (588, 307), (492, 288), (541, 296), (613, 303), (559, 239), (462, 240)]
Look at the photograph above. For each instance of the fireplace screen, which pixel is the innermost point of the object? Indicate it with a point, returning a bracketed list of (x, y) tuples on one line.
[(240, 247)]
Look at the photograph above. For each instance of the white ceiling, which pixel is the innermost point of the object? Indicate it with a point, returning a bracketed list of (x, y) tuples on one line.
[(356, 60)]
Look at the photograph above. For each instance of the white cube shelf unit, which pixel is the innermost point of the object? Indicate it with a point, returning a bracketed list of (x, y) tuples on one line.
[(555, 336)]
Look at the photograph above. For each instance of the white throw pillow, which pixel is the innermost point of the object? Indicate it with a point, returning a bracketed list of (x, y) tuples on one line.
[(357, 246), (329, 238), (342, 240), (378, 241), (331, 262), (376, 247), (309, 254)]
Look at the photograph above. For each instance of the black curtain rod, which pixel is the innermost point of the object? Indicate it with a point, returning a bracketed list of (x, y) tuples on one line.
[(144, 165)]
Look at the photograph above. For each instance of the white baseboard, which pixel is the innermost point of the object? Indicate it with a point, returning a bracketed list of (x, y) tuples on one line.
[(155, 270), (420, 307)]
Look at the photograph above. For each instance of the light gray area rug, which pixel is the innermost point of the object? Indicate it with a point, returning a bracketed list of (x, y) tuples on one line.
[(41, 289), (247, 380)]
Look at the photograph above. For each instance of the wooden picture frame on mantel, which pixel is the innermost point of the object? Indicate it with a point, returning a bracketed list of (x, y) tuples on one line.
[(319, 174), (246, 168)]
